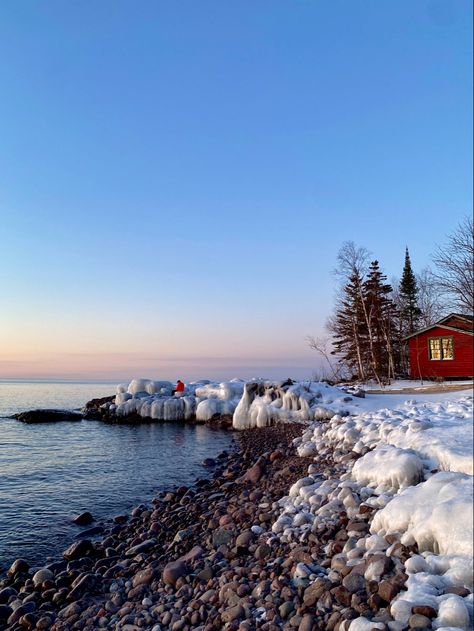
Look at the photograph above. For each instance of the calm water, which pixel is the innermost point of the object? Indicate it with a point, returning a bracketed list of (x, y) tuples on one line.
[(49, 473)]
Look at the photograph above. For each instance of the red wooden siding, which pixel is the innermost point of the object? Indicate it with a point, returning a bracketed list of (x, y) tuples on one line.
[(460, 366)]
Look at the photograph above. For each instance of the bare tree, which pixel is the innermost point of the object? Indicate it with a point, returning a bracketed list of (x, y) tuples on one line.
[(431, 303), (455, 267), (335, 370)]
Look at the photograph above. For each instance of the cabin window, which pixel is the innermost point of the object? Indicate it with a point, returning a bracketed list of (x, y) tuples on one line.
[(441, 348)]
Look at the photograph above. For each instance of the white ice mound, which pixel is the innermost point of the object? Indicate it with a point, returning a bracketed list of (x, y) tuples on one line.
[(267, 403), (390, 467), (436, 514), (200, 400)]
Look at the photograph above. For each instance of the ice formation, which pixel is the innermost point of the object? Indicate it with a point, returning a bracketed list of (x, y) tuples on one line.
[(252, 404), (383, 456), (266, 403), (154, 400)]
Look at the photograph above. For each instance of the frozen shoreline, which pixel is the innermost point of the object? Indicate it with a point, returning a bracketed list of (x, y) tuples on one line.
[(311, 522)]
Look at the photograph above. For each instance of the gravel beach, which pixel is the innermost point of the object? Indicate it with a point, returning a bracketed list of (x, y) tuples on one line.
[(205, 558)]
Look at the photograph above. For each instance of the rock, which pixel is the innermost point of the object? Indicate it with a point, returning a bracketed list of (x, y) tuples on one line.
[(388, 590), (6, 593), (141, 547), (143, 577), (233, 613), (18, 566), (416, 621), (47, 416), (354, 582), (41, 576), (82, 585), (21, 611), (262, 551), (209, 462), (78, 550), (222, 536), (91, 532), (173, 571), (244, 539), (457, 589), (286, 608), (252, 475), (306, 623), (196, 552), (5, 612), (83, 519), (314, 591), (425, 610), (71, 610), (28, 621)]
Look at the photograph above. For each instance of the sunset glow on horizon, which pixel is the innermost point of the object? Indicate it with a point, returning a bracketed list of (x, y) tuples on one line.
[(176, 182)]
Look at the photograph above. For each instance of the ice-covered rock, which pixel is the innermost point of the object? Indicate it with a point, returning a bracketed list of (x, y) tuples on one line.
[(389, 466)]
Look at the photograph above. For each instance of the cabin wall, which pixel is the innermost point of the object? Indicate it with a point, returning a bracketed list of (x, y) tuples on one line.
[(422, 366)]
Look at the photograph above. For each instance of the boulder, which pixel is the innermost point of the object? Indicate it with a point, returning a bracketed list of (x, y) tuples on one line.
[(47, 416)]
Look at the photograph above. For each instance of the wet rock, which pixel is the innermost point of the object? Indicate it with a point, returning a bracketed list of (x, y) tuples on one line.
[(48, 416), (21, 611), (84, 519), (18, 566), (41, 576), (140, 547), (78, 550)]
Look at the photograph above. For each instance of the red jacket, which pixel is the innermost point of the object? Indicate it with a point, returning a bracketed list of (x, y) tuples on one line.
[(180, 386)]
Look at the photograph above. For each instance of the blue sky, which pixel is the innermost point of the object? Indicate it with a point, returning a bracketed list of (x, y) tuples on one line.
[(176, 178)]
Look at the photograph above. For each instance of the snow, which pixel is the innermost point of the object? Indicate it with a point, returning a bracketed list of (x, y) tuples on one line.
[(154, 400), (266, 403), (388, 466), (411, 460)]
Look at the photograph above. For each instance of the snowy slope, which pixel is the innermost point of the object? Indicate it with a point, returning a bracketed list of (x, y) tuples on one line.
[(412, 462)]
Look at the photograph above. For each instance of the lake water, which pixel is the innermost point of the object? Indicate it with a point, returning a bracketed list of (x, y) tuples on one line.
[(51, 472)]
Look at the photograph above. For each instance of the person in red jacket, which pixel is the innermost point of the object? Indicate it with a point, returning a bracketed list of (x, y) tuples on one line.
[(179, 386)]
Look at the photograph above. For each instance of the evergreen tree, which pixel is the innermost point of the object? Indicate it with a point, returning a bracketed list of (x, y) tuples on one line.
[(380, 322), (348, 327), (410, 313)]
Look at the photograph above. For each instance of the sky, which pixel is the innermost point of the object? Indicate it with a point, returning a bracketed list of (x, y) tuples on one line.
[(176, 178)]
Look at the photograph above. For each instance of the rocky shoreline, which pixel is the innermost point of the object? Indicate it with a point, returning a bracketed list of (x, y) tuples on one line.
[(206, 558)]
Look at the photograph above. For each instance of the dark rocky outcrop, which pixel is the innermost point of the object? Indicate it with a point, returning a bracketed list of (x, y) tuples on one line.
[(48, 416)]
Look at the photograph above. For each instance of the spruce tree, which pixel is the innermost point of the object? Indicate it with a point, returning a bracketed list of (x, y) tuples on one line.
[(380, 321), (410, 312), (348, 327)]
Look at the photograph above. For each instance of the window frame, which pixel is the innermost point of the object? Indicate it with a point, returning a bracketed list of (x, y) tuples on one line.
[(441, 338)]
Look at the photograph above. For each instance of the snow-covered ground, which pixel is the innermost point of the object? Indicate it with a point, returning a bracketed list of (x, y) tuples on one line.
[(412, 462), (415, 384)]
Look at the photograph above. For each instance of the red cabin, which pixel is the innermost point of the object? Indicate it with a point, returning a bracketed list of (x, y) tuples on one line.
[(443, 350)]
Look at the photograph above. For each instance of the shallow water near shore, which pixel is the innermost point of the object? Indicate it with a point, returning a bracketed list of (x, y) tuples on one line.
[(51, 472)]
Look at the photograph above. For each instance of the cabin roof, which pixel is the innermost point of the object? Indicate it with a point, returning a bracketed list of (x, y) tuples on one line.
[(442, 324)]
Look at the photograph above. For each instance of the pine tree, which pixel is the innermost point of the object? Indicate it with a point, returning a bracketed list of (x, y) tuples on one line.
[(410, 313), (380, 321), (348, 327)]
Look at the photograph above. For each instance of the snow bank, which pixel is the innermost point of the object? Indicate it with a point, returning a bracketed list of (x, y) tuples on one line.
[(266, 403), (436, 514), (390, 460), (390, 467)]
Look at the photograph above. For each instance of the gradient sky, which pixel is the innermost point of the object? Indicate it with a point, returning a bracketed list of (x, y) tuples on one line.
[(176, 178)]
